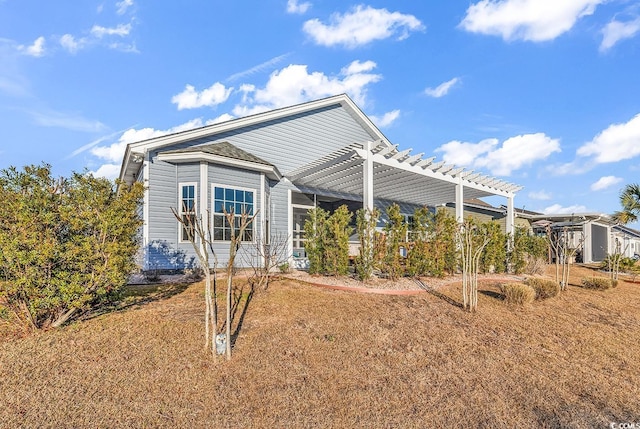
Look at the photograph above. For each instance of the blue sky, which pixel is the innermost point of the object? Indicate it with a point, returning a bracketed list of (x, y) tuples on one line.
[(545, 94)]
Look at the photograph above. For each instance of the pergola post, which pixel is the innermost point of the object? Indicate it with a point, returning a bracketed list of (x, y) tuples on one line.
[(510, 226), (459, 202), (367, 177)]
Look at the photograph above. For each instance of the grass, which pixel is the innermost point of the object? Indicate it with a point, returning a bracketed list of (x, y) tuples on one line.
[(310, 357)]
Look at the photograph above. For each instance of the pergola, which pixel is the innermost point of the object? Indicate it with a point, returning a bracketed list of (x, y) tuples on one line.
[(377, 168)]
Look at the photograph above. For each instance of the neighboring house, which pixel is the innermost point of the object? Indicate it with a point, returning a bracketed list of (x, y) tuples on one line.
[(591, 231), (278, 164), (626, 240), (482, 212)]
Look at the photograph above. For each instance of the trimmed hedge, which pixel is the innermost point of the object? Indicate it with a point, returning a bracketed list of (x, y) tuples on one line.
[(599, 283), (544, 288), (518, 293)]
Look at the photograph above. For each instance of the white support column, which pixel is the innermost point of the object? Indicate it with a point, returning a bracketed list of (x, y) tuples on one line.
[(204, 199), (510, 226), (459, 202), (367, 175), (261, 233), (145, 211)]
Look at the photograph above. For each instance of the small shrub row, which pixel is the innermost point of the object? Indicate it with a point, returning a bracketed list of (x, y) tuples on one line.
[(518, 293), (544, 288), (599, 283)]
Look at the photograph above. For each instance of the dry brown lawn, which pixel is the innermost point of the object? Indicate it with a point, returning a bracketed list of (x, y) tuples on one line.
[(310, 357)]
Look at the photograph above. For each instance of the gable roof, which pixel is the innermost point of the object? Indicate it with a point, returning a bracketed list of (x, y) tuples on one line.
[(135, 151)]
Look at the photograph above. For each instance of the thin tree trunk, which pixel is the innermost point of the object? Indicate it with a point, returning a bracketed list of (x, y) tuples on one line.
[(66, 316)]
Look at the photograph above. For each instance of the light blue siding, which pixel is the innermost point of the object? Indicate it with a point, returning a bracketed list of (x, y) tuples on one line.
[(287, 143), (294, 141)]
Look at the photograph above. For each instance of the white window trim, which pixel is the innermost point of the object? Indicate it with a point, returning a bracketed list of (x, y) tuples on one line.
[(213, 213), (180, 208)]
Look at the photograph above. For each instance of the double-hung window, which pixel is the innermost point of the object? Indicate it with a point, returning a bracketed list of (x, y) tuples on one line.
[(227, 200), (187, 210)]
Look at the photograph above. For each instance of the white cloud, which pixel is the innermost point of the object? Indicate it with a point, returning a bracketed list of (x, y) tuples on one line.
[(441, 89), (109, 171), (70, 43), (294, 84), (539, 195), (616, 143), (558, 209), (360, 26), (294, 7), (358, 67), (616, 31), (532, 20), (69, 121), (122, 6), (191, 99), (121, 30), (461, 153), (36, 49), (605, 182), (258, 68), (386, 119), (501, 159), (114, 152), (222, 118)]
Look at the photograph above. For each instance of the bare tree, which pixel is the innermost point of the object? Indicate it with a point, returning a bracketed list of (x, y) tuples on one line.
[(237, 225), (564, 251), (471, 242), (614, 259), (200, 239), (266, 257)]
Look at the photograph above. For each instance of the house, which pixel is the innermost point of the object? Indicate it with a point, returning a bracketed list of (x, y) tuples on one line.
[(626, 240), (482, 212), (277, 165), (592, 232)]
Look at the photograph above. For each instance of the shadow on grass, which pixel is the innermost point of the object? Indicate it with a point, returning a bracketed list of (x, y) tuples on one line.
[(492, 294), (242, 296), (437, 294), (138, 295)]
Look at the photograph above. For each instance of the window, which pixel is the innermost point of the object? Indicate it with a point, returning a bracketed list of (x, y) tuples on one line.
[(230, 199), (410, 222), (187, 209)]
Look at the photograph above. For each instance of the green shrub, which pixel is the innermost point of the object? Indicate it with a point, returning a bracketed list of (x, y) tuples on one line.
[(396, 235), (544, 288), (518, 293), (67, 245), (365, 262), (599, 283), (494, 255)]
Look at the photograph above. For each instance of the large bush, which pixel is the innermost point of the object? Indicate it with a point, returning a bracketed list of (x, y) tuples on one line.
[(66, 244)]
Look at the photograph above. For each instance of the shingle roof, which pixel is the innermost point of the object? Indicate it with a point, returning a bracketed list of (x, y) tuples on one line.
[(224, 149)]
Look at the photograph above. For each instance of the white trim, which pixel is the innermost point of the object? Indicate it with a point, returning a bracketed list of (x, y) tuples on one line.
[(213, 211), (233, 124), (204, 198), (262, 209), (460, 202), (290, 227), (180, 212), (145, 210), (221, 160)]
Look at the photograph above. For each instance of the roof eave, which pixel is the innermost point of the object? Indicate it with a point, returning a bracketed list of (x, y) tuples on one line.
[(270, 170)]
